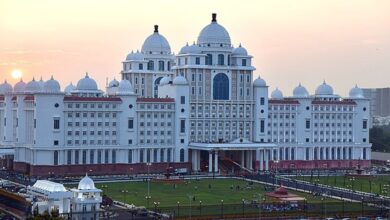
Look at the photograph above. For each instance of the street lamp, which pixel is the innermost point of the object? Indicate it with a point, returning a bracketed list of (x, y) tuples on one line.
[(322, 202), (362, 206), (147, 200), (221, 208), (178, 208), (148, 165), (200, 208), (243, 207)]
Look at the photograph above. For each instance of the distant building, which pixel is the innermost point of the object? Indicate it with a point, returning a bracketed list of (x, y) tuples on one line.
[(201, 109), (379, 104)]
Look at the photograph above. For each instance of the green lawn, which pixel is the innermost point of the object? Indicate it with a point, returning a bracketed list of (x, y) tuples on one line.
[(376, 185), (209, 191)]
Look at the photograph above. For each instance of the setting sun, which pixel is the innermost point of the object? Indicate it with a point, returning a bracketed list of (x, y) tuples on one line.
[(16, 74)]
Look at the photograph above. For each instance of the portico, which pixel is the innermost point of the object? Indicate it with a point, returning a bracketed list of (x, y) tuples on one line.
[(242, 153)]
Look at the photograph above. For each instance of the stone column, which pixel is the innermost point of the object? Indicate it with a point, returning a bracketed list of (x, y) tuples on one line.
[(261, 160), (210, 162), (242, 158), (267, 153), (251, 159), (216, 162)]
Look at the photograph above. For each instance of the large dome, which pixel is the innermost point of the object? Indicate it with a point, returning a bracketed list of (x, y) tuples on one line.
[(5, 88), (86, 183), (20, 86), (277, 94), (356, 93), (214, 34), (300, 91), (86, 83), (51, 86), (165, 80), (324, 89), (113, 83), (259, 82), (156, 43), (33, 86)]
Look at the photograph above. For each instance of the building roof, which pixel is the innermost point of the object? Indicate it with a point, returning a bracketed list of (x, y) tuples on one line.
[(155, 100), (49, 186), (333, 102), (283, 101), (91, 99)]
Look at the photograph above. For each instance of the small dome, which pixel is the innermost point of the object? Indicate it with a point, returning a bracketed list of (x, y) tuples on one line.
[(356, 93), (86, 183), (69, 88), (52, 86), (324, 89), (259, 82), (5, 88), (184, 50), (214, 34), (156, 43), (41, 83), (113, 83), (165, 80), (20, 86), (300, 91), (86, 83), (180, 80), (135, 56), (277, 94), (240, 51), (125, 88), (33, 86)]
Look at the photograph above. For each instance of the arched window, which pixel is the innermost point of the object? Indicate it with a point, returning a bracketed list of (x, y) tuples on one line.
[(55, 157), (156, 83), (160, 65), (228, 60), (169, 65), (151, 65), (221, 87), (221, 59), (182, 155), (209, 59)]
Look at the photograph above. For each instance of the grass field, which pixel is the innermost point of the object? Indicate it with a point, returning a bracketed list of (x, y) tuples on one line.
[(209, 191), (377, 185)]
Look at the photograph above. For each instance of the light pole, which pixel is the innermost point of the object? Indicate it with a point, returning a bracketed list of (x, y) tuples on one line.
[(221, 208), (148, 165), (178, 208), (362, 205), (243, 207), (322, 201), (200, 208)]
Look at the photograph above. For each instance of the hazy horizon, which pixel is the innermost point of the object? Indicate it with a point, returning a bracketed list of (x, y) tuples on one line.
[(342, 42)]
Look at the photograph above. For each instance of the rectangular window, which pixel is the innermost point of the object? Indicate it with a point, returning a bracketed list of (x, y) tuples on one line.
[(262, 101), (69, 157), (243, 62), (364, 124), (197, 60), (307, 124), (140, 66), (262, 126), (55, 143), (56, 123), (182, 100), (130, 124), (182, 126)]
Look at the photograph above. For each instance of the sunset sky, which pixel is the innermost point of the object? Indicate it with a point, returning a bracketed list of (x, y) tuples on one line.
[(342, 42)]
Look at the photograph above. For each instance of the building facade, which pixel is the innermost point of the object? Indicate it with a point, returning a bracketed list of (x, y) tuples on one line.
[(379, 105), (201, 109)]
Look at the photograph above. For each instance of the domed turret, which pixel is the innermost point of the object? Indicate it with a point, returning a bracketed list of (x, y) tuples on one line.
[(356, 93), (300, 92), (214, 34), (86, 83), (137, 56), (184, 50), (324, 89), (33, 86), (125, 88), (41, 83), (69, 88), (5, 88), (165, 80), (193, 49), (113, 83), (156, 43), (240, 51), (180, 80), (277, 94), (259, 82), (20, 86), (86, 183), (52, 86)]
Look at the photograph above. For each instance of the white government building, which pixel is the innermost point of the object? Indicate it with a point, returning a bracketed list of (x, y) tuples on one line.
[(201, 109)]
